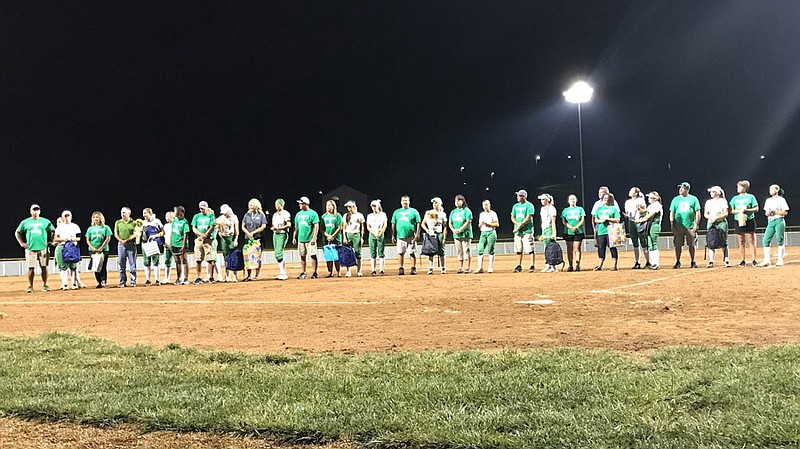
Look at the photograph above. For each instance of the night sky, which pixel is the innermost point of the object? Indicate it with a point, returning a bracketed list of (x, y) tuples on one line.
[(155, 104)]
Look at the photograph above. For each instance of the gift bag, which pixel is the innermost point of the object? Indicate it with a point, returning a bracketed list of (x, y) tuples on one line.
[(150, 248), (616, 234), (330, 253), (252, 254), (96, 262), (430, 245)]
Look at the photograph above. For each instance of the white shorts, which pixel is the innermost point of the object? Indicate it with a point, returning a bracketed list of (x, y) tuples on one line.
[(407, 245), (523, 244)]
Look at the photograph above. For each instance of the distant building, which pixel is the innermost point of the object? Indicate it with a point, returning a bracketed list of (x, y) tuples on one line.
[(343, 194)]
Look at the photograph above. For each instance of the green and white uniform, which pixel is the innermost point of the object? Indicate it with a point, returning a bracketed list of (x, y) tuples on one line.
[(776, 224), (227, 234), (66, 231), (376, 221), (280, 238), (352, 230), (633, 208), (546, 215), (488, 236), (655, 226), (716, 208), (167, 252)]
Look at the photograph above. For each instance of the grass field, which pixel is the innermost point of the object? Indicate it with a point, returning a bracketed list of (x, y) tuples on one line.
[(677, 358)]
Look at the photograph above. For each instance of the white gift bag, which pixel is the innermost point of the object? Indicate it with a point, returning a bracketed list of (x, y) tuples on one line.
[(96, 262), (150, 248)]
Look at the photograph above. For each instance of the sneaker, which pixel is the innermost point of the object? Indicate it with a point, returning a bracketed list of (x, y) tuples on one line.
[(121, 285), (531, 269), (374, 274), (157, 284), (29, 290), (63, 287), (430, 270), (401, 271), (314, 275), (710, 265), (598, 268), (330, 275), (647, 265), (133, 285), (45, 288), (382, 273), (197, 281), (742, 264), (147, 284), (578, 267), (518, 269), (755, 264), (779, 263), (347, 275), (185, 282), (727, 264), (212, 281), (99, 286), (247, 279), (570, 269), (637, 266), (676, 266), (444, 270), (546, 269), (764, 264), (360, 274), (302, 276), (550, 269), (615, 269), (413, 271), (490, 270), (654, 267), (281, 277), (693, 265), (478, 271), (81, 285), (74, 287), (459, 271)]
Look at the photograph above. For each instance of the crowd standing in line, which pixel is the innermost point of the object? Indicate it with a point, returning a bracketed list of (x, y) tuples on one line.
[(168, 240)]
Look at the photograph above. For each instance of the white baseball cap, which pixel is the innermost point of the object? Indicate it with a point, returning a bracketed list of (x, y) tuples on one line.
[(35, 207), (375, 203), (717, 189), (303, 200), (547, 197), (350, 203), (522, 192), (203, 204), (436, 199)]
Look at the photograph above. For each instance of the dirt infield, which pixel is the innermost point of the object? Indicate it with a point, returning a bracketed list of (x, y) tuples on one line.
[(628, 310)]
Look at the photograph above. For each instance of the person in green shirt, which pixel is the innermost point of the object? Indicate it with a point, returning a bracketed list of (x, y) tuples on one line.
[(177, 241), (460, 222), (684, 215), (125, 233), (332, 231), (522, 217), (573, 218), (744, 207), (405, 233), (603, 216), (203, 228), (33, 235), (306, 227), (98, 235)]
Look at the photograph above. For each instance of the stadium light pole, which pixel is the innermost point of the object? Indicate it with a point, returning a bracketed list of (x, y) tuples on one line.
[(580, 92)]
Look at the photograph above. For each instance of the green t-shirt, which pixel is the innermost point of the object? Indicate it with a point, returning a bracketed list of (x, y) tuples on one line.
[(604, 213), (332, 223), (405, 221), (97, 235), (744, 201), (519, 212), (685, 209), (457, 218), (180, 227), (124, 229), (202, 222), (304, 222), (573, 216), (36, 232)]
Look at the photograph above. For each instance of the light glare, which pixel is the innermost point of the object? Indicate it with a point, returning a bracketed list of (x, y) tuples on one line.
[(580, 92)]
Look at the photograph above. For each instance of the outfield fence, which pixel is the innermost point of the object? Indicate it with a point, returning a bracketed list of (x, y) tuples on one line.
[(16, 267)]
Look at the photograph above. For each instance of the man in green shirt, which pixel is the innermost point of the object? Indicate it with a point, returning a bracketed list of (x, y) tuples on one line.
[(522, 217), (203, 228), (125, 233), (405, 232), (306, 227), (684, 214), (38, 233)]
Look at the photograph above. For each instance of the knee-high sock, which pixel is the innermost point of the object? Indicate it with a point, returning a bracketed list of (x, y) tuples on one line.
[(636, 253), (781, 253), (491, 261), (63, 274), (382, 262), (766, 255), (711, 253), (480, 262)]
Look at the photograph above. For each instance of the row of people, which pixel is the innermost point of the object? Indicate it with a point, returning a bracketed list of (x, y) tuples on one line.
[(169, 240)]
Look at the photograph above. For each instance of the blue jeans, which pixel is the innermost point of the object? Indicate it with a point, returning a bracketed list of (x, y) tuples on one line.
[(126, 255)]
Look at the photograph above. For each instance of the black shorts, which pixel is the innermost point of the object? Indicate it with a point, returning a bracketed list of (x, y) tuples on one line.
[(573, 237), (176, 250), (748, 228)]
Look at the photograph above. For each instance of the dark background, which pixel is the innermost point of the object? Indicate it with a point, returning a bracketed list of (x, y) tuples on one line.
[(155, 104)]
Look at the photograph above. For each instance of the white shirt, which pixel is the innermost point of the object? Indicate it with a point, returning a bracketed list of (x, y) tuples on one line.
[(375, 221), (353, 226), (229, 225), (655, 208), (600, 203), (168, 232), (715, 208), (547, 213), (487, 217), (632, 207), (68, 231), (435, 224), (280, 219), (772, 203)]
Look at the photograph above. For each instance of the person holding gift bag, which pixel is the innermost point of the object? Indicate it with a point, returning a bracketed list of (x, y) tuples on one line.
[(603, 216), (435, 225), (67, 234), (744, 207), (332, 230), (254, 223), (98, 235), (634, 208), (153, 232), (716, 213)]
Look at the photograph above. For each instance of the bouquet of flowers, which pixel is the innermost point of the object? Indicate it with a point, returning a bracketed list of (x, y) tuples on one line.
[(137, 230)]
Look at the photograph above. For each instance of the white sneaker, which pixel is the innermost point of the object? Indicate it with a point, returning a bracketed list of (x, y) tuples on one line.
[(347, 275), (360, 274), (283, 277), (779, 263), (490, 270)]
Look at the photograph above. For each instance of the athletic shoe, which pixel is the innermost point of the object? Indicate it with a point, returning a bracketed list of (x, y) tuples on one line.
[(81, 285), (74, 287), (281, 277), (490, 270), (330, 275), (413, 271), (577, 267), (676, 266), (133, 285), (459, 271), (382, 273), (157, 284), (401, 271), (637, 266), (518, 269), (654, 267), (198, 281), (99, 286), (742, 264), (478, 271), (247, 279), (710, 265), (779, 263), (212, 281), (147, 284), (430, 270), (615, 269), (302, 276), (185, 282), (29, 290), (360, 274), (727, 264), (45, 288), (374, 274), (647, 265), (755, 264), (531, 269), (550, 269), (121, 285), (693, 265), (314, 275), (347, 275), (63, 287), (444, 270), (570, 269)]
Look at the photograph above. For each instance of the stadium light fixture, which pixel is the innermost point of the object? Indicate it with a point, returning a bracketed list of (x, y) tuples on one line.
[(580, 92)]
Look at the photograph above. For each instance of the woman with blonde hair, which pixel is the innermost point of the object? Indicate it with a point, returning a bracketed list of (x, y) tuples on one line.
[(153, 231), (634, 208), (603, 216), (354, 233), (254, 223), (653, 216), (281, 222), (744, 207), (228, 231), (332, 221), (776, 209), (98, 235), (573, 218)]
